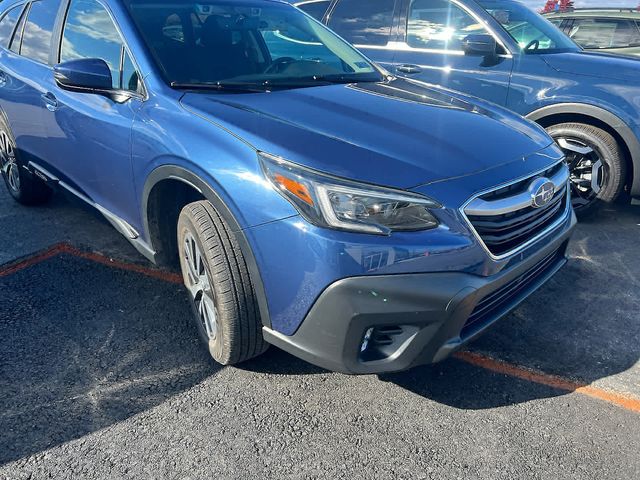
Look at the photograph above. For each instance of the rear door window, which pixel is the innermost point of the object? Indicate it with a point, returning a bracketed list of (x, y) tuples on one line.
[(14, 46), (8, 24), (439, 25), (38, 31), (363, 22), (316, 9)]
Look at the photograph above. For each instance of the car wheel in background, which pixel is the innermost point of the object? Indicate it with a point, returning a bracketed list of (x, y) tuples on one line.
[(596, 163), (217, 279), (23, 186)]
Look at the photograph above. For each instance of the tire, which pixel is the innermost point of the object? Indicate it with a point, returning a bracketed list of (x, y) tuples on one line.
[(23, 186), (223, 300), (584, 146)]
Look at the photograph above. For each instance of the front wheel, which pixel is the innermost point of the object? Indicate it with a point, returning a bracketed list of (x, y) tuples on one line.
[(596, 163), (217, 280)]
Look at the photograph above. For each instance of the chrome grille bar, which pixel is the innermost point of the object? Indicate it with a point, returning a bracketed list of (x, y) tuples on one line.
[(480, 207), (505, 220)]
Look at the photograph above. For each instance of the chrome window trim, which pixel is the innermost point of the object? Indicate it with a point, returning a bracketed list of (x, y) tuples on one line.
[(405, 47), (531, 241), (306, 2)]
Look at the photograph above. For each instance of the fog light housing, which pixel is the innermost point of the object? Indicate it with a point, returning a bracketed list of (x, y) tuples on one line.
[(365, 340)]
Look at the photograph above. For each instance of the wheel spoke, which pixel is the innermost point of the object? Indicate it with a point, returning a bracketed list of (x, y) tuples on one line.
[(596, 174), (572, 146), (14, 176), (209, 314), (199, 286), (8, 164), (190, 254), (587, 172)]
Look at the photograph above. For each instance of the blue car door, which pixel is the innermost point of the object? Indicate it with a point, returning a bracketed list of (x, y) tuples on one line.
[(430, 48), (26, 35), (89, 132)]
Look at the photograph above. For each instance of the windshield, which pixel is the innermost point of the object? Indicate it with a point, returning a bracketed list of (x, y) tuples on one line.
[(533, 32), (245, 45)]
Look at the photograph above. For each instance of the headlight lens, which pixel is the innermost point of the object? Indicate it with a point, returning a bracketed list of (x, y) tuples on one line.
[(332, 202)]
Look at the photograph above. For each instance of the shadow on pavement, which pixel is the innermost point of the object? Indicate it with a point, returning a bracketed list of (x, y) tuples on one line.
[(83, 346)]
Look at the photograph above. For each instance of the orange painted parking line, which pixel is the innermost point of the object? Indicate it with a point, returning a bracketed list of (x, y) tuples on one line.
[(475, 359), (553, 381), (32, 260), (164, 275), (62, 248)]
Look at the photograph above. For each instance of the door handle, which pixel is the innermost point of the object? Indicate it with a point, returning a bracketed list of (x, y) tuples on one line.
[(410, 69), (50, 101)]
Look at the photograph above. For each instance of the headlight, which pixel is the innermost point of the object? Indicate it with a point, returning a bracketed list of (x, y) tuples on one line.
[(337, 203)]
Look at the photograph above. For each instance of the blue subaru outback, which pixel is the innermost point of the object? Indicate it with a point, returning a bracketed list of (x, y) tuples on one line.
[(363, 222), (501, 51)]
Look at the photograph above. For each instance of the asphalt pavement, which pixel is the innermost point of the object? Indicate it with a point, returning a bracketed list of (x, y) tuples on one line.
[(102, 376)]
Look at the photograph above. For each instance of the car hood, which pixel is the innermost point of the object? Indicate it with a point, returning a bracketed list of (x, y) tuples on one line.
[(595, 64), (397, 133)]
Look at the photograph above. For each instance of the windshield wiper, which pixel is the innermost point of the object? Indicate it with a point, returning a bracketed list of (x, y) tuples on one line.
[(348, 78), (269, 85), (239, 87), (318, 81)]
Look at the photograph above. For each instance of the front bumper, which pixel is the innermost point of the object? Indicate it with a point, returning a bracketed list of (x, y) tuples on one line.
[(413, 319)]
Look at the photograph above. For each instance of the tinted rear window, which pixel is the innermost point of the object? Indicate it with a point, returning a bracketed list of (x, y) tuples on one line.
[(36, 40), (363, 22)]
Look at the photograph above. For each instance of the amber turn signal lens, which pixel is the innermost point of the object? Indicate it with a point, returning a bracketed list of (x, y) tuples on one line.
[(294, 187)]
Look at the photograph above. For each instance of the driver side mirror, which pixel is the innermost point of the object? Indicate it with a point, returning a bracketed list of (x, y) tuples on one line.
[(481, 44), (90, 75)]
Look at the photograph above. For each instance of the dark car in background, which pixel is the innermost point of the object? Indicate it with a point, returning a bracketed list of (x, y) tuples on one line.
[(504, 52), (613, 30)]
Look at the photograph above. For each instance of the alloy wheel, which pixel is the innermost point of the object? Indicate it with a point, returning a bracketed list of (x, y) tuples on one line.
[(8, 163), (199, 285), (588, 171)]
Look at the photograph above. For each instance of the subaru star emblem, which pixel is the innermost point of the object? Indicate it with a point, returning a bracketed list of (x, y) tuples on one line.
[(542, 191)]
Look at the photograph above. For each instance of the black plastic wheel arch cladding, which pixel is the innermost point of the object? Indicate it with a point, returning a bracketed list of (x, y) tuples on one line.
[(174, 172)]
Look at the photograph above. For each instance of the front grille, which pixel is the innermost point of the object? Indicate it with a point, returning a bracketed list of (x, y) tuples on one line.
[(505, 229), (494, 303)]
